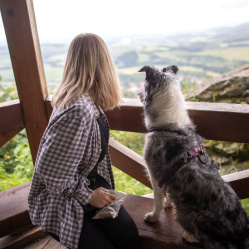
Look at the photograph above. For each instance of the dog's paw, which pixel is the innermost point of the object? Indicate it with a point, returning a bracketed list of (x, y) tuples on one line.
[(189, 237), (167, 203), (150, 217)]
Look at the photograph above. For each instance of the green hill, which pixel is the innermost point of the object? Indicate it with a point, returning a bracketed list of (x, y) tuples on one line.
[(200, 54)]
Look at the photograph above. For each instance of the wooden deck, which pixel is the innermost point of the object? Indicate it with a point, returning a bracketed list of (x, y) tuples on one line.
[(45, 243)]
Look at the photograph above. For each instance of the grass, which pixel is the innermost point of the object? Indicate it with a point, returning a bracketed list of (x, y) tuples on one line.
[(229, 53), (126, 183)]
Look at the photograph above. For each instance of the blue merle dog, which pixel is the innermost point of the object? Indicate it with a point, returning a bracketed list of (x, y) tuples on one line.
[(207, 208)]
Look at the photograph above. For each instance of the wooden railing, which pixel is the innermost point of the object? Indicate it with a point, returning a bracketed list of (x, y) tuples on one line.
[(223, 122)]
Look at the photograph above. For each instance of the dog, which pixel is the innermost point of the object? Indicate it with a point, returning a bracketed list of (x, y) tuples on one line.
[(178, 167)]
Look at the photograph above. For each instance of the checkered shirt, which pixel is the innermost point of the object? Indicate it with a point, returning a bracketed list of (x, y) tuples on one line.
[(68, 151)]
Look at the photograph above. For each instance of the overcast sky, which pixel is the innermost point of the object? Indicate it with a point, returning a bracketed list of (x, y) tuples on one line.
[(61, 20)]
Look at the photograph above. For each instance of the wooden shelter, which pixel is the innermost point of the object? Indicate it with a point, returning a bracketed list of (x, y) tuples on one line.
[(222, 122)]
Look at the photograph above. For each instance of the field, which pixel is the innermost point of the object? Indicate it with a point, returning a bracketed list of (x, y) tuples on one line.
[(199, 56)]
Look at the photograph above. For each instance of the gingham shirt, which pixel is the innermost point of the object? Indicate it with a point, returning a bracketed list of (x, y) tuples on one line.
[(69, 149)]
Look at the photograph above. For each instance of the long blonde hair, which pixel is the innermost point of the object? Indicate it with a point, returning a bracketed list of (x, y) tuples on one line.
[(88, 68)]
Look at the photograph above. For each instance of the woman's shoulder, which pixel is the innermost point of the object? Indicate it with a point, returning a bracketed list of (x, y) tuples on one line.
[(81, 107)]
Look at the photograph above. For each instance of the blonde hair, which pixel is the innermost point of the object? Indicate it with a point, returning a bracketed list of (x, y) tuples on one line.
[(88, 68)]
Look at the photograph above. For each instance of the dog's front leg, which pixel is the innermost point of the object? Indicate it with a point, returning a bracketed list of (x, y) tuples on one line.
[(158, 200)]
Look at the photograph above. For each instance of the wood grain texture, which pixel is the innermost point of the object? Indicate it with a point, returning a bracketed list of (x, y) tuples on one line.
[(11, 120), (163, 234), (14, 209), (23, 239), (239, 181), (21, 33), (214, 121), (11, 116), (5, 136)]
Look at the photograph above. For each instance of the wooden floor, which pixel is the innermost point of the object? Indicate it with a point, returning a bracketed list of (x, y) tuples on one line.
[(45, 243)]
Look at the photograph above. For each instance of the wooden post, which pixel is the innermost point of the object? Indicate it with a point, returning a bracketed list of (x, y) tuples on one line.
[(23, 42)]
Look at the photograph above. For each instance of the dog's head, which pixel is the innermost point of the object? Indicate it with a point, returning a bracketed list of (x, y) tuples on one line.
[(156, 81), (161, 95)]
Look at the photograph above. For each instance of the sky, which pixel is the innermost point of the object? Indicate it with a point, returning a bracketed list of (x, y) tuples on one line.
[(61, 20)]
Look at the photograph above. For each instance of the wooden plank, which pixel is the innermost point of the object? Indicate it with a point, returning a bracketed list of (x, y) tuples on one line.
[(163, 234), (11, 120), (128, 161), (38, 244), (48, 106), (220, 121), (214, 121), (22, 239), (7, 135), (128, 117), (14, 214), (11, 116), (21, 33), (53, 244)]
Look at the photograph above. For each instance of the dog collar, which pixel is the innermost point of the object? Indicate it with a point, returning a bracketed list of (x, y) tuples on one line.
[(190, 155)]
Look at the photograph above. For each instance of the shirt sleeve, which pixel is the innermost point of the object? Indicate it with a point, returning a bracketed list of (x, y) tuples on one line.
[(61, 152)]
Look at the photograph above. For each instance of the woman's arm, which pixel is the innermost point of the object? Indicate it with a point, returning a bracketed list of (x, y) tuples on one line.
[(62, 150)]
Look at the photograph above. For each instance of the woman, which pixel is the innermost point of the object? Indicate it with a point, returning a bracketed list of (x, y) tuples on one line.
[(73, 168)]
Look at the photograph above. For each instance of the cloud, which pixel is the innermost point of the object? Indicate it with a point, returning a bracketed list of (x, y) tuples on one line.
[(61, 20)]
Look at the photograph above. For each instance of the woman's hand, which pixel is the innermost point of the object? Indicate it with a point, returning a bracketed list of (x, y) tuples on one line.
[(101, 198)]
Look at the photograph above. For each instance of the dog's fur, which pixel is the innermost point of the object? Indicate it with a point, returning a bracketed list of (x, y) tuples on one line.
[(207, 208)]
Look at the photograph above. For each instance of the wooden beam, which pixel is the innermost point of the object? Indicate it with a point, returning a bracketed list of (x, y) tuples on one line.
[(11, 120), (220, 121), (239, 182), (128, 117), (11, 116), (128, 161), (23, 42), (48, 106), (5, 136), (23, 239), (214, 121), (14, 214)]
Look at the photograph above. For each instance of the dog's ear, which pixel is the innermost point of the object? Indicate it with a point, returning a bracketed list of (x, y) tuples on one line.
[(146, 69), (172, 69)]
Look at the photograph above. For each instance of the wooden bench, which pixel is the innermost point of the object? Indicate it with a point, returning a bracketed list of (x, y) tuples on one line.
[(16, 228)]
